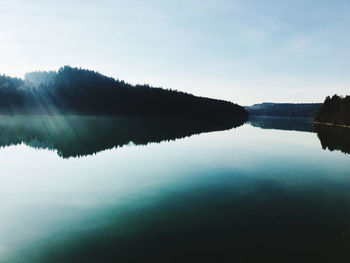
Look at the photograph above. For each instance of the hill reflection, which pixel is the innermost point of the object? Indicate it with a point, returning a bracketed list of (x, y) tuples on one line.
[(332, 138), (73, 136), (282, 123)]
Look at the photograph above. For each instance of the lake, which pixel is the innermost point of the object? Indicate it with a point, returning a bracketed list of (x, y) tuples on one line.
[(92, 189)]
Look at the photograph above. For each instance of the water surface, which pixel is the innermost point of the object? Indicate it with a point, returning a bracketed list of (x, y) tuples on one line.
[(247, 194)]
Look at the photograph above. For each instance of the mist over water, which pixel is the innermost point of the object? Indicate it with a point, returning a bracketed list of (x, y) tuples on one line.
[(241, 195)]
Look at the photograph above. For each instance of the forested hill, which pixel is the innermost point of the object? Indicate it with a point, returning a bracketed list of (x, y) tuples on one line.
[(284, 109), (80, 91), (335, 110)]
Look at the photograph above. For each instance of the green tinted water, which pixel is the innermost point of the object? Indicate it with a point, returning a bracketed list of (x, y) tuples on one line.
[(242, 195)]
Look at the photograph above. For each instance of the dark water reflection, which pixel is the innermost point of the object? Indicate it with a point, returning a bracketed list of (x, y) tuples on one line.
[(239, 195), (73, 136), (269, 223), (334, 138), (282, 123)]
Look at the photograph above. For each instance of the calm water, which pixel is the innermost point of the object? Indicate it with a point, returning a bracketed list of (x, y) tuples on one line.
[(87, 189)]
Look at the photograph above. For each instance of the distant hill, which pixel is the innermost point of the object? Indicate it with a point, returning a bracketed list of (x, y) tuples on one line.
[(86, 92), (335, 110), (284, 109)]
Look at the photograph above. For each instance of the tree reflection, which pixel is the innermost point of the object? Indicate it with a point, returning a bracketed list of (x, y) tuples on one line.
[(334, 137), (282, 123), (74, 136)]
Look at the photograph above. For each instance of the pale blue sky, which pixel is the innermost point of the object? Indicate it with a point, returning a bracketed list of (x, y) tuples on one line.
[(246, 51)]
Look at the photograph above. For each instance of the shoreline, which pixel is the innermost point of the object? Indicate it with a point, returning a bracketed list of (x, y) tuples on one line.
[(331, 124)]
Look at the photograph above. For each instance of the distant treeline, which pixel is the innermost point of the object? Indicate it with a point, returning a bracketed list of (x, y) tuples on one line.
[(307, 110), (79, 91), (335, 110)]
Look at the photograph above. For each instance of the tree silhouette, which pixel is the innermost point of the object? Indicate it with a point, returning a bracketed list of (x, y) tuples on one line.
[(80, 91), (335, 110)]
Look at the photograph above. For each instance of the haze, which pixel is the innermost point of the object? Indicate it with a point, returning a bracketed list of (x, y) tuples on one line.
[(243, 51)]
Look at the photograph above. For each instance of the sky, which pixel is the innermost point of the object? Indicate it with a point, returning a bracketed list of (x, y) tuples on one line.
[(245, 51)]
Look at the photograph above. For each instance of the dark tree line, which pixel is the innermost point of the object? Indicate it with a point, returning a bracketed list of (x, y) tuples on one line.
[(36, 78), (335, 110), (79, 91)]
